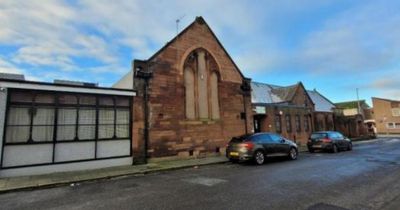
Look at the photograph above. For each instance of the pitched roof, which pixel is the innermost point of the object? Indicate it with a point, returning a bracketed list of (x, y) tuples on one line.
[(199, 20), (322, 104), (267, 93), (352, 104), (385, 99)]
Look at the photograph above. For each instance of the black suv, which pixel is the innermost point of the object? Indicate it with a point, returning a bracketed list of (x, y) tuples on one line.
[(328, 140), (258, 146)]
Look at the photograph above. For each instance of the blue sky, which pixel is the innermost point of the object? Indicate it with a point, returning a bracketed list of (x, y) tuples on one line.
[(333, 46)]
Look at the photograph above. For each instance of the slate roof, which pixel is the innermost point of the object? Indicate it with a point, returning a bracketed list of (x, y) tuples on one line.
[(263, 93), (321, 103), (270, 94), (352, 104)]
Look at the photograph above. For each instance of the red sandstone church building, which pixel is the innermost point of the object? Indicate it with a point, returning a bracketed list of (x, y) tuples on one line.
[(192, 97)]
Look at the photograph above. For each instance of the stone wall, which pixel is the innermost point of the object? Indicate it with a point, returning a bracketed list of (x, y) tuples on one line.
[(171, 133)]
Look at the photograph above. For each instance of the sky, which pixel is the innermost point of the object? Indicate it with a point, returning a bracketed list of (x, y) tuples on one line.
[(335, 46)]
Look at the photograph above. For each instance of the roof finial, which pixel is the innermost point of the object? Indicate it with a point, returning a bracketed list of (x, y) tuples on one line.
[(177, 23)]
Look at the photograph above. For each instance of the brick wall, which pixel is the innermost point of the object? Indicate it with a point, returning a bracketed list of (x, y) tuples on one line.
[(301, 137), (383, 115), (323, 121)]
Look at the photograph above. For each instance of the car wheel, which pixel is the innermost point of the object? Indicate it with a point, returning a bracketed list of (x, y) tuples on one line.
[(293, 154), (334, 149), (350, 147), (259, 157)]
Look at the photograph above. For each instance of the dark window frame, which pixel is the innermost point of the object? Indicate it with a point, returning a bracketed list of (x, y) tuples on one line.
[(297, 120), (56, 105), (288, 123), (306, 123), (278, 123)]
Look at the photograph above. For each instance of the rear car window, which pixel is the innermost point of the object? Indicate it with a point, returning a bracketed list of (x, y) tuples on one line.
[(318, 135), (242, 138)]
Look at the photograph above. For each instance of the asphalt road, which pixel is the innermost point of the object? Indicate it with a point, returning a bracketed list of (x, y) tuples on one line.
[(366, 178)]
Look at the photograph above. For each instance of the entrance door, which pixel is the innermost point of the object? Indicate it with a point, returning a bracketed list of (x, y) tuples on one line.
[(258, 123)]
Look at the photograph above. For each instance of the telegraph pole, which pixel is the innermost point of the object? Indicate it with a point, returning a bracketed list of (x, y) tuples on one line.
[(358, 103)]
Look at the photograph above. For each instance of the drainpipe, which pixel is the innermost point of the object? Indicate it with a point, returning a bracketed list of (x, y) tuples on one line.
[(142, 72), (246, 88), (245, 113), (146, 117)]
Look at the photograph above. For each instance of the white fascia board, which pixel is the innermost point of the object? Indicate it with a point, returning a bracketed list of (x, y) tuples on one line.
[(6, 84)]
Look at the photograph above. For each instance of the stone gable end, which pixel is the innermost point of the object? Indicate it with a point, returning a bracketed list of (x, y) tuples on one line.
[(171, 132), (197, 35)]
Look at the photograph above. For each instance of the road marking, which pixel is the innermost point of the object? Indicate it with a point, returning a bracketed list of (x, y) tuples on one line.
[(205, 181)]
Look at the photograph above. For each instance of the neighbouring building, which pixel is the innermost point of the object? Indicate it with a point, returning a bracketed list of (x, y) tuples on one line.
[(192, 98), (349, 118), (62, 126), (324, 111), (387, 115), (287, 110)]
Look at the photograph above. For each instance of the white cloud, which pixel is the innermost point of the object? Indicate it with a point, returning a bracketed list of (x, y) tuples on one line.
[(55, 34), (7, 67)]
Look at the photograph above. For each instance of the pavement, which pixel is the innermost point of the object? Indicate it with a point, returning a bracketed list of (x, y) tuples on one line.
[(365, 178), (65, 178)]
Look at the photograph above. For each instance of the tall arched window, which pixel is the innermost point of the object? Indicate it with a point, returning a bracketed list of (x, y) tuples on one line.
[(214, 96), (201, 86), (189, 94)]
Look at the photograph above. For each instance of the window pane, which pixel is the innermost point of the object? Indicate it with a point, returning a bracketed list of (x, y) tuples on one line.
[(87, 116), (306, 125), (24, 96), (278, 123), (288, 123), (43, 116), (275, 138), (87, 100), (121, 101), (17, 134), (19, 116), (189, 93), (86, 132), (44, 98), (67, 99), (106, 116), (66, 132), (66, 116), (42, 133), (106, 131), (66, 120), (106, 101), (214, 96), (122, 131), (298, 126), (122, 116)]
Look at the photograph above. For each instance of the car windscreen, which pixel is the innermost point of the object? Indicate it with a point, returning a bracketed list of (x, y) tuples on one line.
[(318, 135), (242, 138)]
